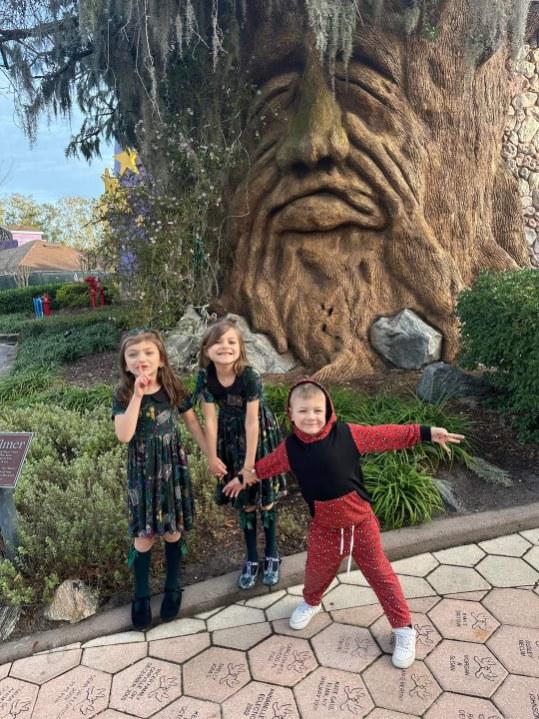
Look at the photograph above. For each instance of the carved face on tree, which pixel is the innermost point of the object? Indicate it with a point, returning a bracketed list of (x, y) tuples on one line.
[(382, 192)]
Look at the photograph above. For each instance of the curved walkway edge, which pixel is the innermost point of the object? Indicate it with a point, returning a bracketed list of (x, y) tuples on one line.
[(201, 597)]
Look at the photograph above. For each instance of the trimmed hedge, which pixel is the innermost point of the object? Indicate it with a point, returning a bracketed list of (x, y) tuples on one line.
[(500, 330), (20, 300)]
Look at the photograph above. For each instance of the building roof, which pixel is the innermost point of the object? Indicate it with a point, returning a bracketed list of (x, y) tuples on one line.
[(39, 255)]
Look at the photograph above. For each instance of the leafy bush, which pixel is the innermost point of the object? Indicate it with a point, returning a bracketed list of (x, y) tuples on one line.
[(73, 295), (20, 299), (500, 330)]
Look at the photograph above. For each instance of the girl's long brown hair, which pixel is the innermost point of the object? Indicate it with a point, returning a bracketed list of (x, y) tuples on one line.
[(213, 334), (166, 376)]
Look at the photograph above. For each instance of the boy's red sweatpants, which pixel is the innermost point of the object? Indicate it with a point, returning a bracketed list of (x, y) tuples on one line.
[(329, 544)]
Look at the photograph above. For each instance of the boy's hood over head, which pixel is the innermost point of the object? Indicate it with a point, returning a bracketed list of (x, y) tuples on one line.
[(331, 417)]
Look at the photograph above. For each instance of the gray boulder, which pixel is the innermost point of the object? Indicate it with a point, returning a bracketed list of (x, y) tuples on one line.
[(73, 601), (405, 340), (441, 381), (183, 344)]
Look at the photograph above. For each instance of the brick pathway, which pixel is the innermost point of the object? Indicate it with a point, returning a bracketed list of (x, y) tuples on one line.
[(476, 610)]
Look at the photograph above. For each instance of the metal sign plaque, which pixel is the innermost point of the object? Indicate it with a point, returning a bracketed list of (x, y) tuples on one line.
[(13, 449)]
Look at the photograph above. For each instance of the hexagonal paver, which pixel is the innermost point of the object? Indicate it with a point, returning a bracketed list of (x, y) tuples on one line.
[(342, 646), (177, 628), (512, 545), (265, 600), (427, 636), (4, 670), (387, 714), (410, 691), (532, 557), (42, 667), (418, 566), (331, 693), (415, 587), (317, 623), (466, 668), (448, 579), (422, 604), (258, 701), (215, 674), (518, 698), (348, 595), (532, 535), (242, 637), (466, 621), (81, 692), (517, 648), (507, 571), (468, 596), (283, 608), (146, 687), (235, 616), (519, 607), (179, 649), (282, 660), (122, 638), (466, 556), (358, 616), (457, 706), (113, 714), (17, 698), (189, 708), (114, 659)]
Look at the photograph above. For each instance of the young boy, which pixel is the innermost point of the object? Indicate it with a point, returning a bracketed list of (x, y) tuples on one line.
[(324, 455)]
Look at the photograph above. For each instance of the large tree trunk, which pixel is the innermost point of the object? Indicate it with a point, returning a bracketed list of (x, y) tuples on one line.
[(385, 192)]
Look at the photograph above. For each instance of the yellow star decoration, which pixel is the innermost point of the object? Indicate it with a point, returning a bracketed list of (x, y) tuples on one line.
[(110, 182), (127, 160)]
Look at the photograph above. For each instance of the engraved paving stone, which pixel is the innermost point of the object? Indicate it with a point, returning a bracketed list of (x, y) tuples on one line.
[(81, 692), (342, 646), (114, 659), (4, 670), (42, 667), (179, 649), (282, 660), (146, 687), (409, 691), (189, 708), (457, 706), (463, 620), (317, 623), (17, 698), (517, 648), (261, 701), (242, 637), (466, 668), (331, 693), (358, 616), (427, 636), (518, 698), (215, 674)]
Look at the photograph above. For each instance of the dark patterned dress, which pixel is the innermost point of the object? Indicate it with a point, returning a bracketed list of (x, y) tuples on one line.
[(159, 493), (231, 440)]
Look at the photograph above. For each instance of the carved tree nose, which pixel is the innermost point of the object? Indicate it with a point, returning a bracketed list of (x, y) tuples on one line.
[(316, 138)]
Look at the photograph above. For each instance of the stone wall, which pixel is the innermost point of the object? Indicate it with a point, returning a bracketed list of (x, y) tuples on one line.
[(521, 140)]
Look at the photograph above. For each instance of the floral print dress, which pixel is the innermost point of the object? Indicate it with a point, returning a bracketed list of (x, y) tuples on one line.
[(231, 440), (159, 492)]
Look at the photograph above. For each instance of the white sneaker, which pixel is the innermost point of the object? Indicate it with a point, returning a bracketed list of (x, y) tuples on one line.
[(404, 652), (302, 615)]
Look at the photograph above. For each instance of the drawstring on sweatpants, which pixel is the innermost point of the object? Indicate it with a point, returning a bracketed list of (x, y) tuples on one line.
[(341, 548)]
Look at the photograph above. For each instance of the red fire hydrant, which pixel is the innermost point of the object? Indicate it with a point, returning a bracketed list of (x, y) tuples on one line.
[(46, 304)]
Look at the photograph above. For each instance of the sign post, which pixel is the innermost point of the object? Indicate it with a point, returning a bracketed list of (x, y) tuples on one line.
[(13, 449)]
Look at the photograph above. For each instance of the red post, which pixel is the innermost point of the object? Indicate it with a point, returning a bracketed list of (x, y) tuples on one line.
[(46, 304)]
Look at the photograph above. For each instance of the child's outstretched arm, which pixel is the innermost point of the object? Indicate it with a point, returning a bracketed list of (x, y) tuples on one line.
[(275, 462), (215, 464), (388, 437), (194, 429)]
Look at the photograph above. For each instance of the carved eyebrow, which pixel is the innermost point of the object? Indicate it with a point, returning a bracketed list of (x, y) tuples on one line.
[(381, 67)]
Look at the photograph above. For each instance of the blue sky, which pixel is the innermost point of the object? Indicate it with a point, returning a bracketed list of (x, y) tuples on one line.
[(42, 170)]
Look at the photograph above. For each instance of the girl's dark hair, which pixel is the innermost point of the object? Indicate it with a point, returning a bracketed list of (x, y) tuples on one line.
[(166, 376), (213, 334)]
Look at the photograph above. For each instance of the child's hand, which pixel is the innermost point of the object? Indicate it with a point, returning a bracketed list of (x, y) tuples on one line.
[(217, 467), (233, 488), (249, 477), (141, 383), (443, 437)]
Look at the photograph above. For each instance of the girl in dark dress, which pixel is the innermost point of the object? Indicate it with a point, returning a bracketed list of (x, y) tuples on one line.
[(239, 429), (146, 407)]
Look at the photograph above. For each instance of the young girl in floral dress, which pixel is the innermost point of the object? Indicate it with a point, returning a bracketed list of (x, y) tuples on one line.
[(146, 406), (239, 429)]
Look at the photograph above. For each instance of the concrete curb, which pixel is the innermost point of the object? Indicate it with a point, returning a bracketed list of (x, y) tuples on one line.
[(212, 593)]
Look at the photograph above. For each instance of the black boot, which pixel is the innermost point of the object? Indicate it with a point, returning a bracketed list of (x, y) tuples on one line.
[(141, 612), (172, 599), (170, 606)]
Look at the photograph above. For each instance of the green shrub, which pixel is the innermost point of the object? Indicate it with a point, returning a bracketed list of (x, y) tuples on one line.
[(20, 299), (73, 295), (500, 330)]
